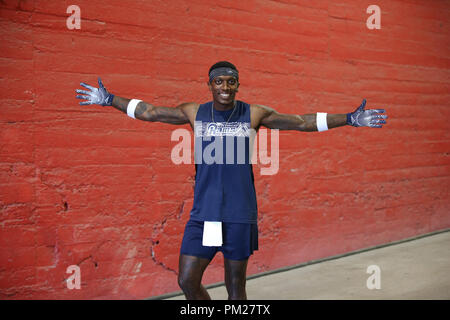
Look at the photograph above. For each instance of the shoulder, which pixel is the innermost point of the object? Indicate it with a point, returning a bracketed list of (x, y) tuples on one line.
[(261, 110), (258, 114), (189, 109), (189, 106)]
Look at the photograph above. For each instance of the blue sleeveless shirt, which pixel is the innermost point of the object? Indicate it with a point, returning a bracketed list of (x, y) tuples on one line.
[(224, 181)]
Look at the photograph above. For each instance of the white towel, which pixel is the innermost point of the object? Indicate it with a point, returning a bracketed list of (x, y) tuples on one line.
[(212, 234)]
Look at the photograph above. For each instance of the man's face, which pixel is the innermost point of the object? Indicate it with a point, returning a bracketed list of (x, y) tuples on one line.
[(224, 89)]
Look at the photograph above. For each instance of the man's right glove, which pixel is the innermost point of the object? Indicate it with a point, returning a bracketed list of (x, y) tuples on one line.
[(96, 96), (366, 118)]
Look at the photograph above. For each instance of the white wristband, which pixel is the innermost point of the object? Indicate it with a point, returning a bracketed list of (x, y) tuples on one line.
[(321, 121), (131, 107)]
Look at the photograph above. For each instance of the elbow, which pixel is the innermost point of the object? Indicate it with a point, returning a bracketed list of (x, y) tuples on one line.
[(307, 123), (145, 112), (306, 126)]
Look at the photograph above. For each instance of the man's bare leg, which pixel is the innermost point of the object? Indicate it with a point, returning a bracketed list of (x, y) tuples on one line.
[(235, 278), (190, 277)]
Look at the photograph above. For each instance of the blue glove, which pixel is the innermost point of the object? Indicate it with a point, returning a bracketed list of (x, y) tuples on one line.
[(366, 118), (96, 96)]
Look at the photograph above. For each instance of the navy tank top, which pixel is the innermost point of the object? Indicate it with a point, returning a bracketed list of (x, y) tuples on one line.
[(224, 182)]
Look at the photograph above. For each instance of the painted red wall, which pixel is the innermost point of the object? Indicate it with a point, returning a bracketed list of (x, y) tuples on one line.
[(89, 186)]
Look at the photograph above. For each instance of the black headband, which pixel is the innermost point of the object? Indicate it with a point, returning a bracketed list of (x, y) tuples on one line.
[(223, 71)]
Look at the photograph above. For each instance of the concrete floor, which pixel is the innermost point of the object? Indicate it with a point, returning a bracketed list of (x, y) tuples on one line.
[(416, 269)]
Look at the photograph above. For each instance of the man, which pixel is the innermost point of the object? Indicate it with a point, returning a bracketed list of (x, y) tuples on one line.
[(224, 214)]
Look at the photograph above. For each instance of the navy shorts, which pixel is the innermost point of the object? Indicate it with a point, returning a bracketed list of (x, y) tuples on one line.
[(239, 241)]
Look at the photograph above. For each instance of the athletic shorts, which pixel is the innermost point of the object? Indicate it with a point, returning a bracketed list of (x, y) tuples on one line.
[(239, 241)]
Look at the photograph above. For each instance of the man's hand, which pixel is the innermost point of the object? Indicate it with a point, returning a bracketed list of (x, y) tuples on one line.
[(96, 96), (366, 118)]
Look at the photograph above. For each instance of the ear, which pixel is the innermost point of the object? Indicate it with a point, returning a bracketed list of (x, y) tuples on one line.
[(209, 85), (237, 88)]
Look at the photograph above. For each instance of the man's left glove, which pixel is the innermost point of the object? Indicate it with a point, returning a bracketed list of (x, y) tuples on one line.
[(366, 118), (96, 96)]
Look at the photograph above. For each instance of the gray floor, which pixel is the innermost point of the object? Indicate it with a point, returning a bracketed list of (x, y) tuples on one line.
[(417, 269)]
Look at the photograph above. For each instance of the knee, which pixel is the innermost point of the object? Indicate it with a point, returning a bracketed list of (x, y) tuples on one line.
[(182, 281), (186, 283)]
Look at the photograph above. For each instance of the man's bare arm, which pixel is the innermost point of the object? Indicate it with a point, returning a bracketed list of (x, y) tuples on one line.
[(148, 112), (272, 119), (182, 114)]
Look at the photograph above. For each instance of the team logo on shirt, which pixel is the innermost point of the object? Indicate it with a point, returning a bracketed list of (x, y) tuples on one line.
[(222, 129)]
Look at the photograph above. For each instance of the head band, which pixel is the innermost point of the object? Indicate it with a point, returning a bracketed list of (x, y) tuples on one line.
[(223, 71)]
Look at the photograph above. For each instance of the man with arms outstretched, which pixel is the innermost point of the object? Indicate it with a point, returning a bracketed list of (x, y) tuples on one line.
[(224, 213)]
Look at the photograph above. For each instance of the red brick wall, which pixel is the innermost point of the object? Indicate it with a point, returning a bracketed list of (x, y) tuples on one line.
[(89, 186)]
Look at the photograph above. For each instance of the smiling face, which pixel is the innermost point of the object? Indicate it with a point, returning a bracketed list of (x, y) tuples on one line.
[(224, 89)]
